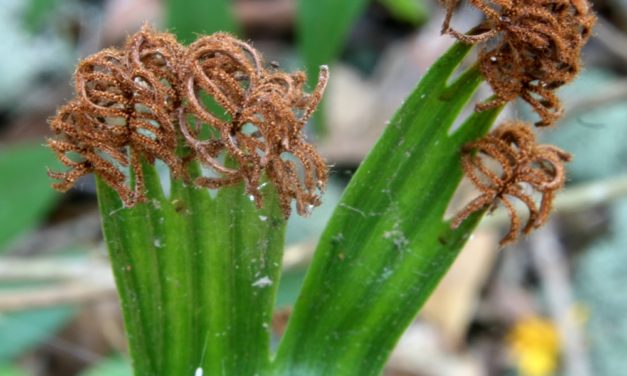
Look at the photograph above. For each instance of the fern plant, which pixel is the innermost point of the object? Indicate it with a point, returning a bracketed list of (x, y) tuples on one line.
[(197, 258)]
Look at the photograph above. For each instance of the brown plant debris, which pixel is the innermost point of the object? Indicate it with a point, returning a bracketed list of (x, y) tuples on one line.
[(529, 49), (525, 171), (153, 96)]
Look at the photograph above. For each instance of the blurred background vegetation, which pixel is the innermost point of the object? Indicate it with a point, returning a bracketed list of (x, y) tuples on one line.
[(553, 304)]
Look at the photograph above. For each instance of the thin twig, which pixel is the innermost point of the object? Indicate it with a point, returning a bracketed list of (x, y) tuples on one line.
[(550, 261), (83, 229), (85, 280), (20, 269), (611, 37), (81, 281), (65, 293)]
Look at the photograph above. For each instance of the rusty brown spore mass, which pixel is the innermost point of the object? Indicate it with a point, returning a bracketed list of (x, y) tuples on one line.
[(524, 170), (146, 100), (529, 49)]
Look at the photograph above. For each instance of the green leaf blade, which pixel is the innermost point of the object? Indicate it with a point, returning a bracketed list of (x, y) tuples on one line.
[(387, 245), (131, 250), (114, 366), (323, 26), (25, 192), (37, 12), (187, 19), (24, 330), (196, 275), (246, 251), (412, 11)]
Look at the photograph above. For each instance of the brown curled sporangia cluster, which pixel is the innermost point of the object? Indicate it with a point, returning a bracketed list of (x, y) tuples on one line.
[(529, 49), (141, 102), (528, 172)]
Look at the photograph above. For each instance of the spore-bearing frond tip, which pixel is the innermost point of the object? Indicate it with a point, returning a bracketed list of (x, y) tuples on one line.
[(525, 171), (529, 49), (137, 104)]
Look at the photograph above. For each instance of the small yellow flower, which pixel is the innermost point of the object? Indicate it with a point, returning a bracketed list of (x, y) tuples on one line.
[(535, 344)]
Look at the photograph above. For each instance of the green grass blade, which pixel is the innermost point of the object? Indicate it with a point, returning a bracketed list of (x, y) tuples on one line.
[(25, 330), (36, 13), (25, 192), (387, 245), (196, 276), (114, 366), (412, 11), (12, 370), (323, 26), (189, 18)]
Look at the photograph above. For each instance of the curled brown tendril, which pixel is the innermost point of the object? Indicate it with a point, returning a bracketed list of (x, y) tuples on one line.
[(530, 48), (135, 104), (525, 168), (121, 115), (266, 112)]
